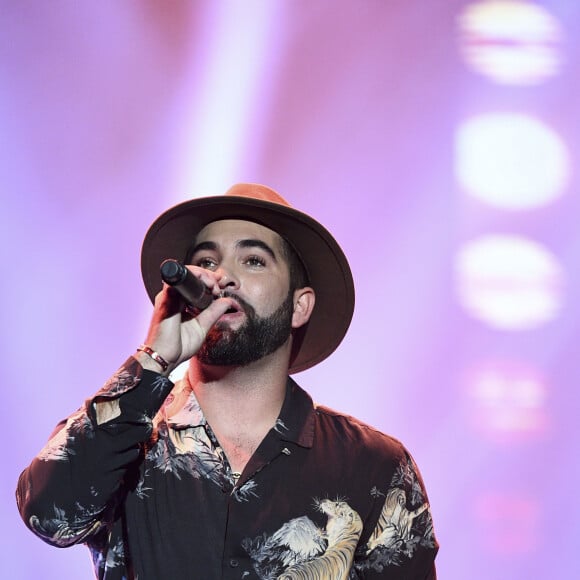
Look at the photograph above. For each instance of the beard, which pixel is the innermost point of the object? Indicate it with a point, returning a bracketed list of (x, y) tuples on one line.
[(255, 339)]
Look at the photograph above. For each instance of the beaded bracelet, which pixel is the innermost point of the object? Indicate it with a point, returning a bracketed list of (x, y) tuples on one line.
[(154, 355)]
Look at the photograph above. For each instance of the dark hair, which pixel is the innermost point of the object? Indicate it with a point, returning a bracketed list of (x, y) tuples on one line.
[(298, 273)]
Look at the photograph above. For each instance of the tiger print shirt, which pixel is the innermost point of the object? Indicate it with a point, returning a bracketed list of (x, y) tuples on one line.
[(152, 495)]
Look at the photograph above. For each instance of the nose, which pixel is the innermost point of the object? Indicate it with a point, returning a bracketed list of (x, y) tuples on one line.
[(227, 278)]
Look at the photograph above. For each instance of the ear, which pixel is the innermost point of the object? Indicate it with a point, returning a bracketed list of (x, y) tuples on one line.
[(304, 299)]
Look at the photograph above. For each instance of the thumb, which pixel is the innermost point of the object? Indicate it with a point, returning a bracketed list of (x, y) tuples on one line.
[(198, 327)]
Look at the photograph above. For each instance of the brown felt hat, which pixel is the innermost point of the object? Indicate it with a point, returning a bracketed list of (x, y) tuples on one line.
[(172, 234)]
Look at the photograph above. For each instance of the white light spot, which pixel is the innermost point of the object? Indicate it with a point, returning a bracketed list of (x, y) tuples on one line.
[(509, 282), (511, 161), (511, 41)]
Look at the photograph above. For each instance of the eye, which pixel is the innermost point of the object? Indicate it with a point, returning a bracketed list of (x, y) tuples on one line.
[(206, 262), (255, 261)]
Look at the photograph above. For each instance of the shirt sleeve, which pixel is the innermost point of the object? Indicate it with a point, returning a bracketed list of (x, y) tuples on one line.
[(71, 489), (403, 544)]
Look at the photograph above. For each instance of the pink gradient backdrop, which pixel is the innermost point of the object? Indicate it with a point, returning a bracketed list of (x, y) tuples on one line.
[(113, 111)]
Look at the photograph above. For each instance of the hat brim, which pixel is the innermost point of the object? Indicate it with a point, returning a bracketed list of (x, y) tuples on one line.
[(173, 233)]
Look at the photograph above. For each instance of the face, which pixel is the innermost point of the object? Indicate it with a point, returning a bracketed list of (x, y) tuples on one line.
[(249, 263)]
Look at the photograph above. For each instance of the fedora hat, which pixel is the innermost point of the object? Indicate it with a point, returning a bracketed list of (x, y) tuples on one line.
[(172, 234)]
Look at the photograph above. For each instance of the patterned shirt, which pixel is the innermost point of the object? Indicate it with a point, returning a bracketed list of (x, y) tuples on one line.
[(152, 495)]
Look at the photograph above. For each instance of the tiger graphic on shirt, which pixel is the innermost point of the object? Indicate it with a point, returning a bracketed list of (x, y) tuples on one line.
[(343, 531), (300, 550)]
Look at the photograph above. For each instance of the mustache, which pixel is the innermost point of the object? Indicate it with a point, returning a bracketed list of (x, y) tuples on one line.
[(245, 306)]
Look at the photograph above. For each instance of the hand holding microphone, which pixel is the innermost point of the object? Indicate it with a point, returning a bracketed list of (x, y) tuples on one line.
[(171, 335), (192, 289)]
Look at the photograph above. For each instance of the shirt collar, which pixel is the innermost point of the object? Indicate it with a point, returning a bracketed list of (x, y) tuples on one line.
[(295, 422), (181, 408)]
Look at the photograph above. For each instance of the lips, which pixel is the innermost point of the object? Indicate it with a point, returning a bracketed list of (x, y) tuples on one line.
[(235, 308)]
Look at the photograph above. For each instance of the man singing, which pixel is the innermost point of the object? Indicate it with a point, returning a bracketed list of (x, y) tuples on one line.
[(233, 472)]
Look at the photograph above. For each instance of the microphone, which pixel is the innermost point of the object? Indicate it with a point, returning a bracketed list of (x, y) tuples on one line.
[(193, 290)]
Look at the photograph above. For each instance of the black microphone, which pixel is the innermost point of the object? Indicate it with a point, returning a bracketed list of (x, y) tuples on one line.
[(193, 290)]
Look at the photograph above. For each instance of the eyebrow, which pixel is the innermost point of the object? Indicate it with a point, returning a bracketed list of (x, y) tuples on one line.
[(249, 243)]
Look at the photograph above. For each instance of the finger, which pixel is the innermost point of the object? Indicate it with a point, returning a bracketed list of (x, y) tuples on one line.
[(209, 278), (208, 317), (198, 329), (168, 302)]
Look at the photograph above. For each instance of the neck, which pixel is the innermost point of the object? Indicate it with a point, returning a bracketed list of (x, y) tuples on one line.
[(241, 401), (241, 404)]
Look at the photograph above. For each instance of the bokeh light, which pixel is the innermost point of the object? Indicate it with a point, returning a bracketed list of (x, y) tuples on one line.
[(507, 400), (509, 282), (511, 161), (511, 42)]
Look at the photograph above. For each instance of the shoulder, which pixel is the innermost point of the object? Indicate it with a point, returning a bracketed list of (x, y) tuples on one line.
[(348, 431)]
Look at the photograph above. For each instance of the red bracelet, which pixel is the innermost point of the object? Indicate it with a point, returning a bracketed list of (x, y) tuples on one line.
[(154, 355)]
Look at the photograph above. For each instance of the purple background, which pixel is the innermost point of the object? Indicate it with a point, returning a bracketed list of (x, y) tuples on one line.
[(113, 111)]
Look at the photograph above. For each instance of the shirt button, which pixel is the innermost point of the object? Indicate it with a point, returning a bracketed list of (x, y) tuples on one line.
[(234, 563)]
